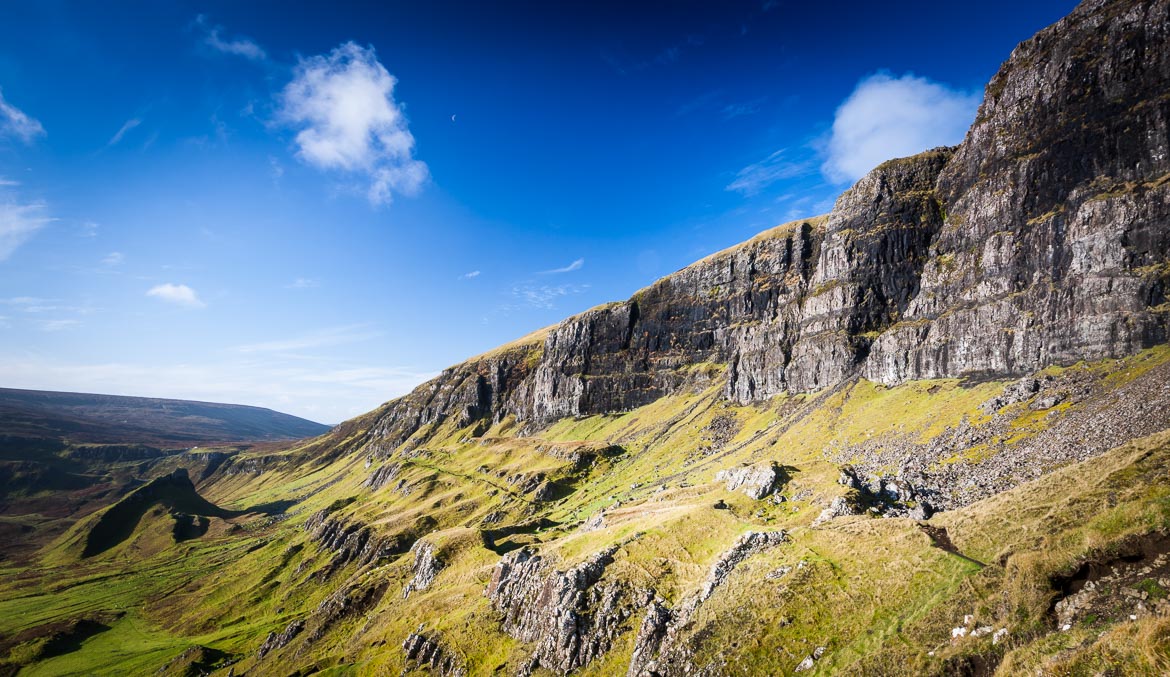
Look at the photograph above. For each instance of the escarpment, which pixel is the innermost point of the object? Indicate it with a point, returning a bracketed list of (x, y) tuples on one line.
[(1057, 233), (1042, 239)]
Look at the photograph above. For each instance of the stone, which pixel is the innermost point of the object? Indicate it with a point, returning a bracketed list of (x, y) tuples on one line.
[(754, 481)]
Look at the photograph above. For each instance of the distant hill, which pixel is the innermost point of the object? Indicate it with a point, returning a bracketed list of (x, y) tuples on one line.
[(113, 419)]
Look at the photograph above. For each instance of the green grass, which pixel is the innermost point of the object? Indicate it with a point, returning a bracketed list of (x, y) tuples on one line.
[(875, 592)]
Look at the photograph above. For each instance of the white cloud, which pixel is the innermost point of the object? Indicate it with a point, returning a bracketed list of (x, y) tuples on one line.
[(469, 276), (126, 127), (576, 265), (178, 294), (756, 177), (887, 117), (8, 182), (18, 222), (113, 259), (544, 296), (15, 122), (239, 46), (343, 105)]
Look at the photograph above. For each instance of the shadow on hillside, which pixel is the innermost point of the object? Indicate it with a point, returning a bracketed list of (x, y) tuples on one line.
[(500, 540)]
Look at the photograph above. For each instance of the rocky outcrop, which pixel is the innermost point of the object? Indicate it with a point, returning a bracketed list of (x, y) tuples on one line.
[(1044, 238), (908, 473), (1057, 238), (426, 566), (345, 602), (658, 648), (384, 475), (840, 506), (352, 541), (570, 617), (476, 390), (745, 546), (425, 649), (280, 640), (754, 481)]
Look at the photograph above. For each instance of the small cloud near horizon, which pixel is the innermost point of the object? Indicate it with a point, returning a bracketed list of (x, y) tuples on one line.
[(469, 276), (177, 294), (304, 283)]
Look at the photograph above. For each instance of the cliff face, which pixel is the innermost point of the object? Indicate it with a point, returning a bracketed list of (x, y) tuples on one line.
[(1044, 238), (1056, 241)]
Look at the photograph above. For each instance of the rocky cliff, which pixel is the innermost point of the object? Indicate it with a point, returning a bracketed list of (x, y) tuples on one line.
[(1044, 238)]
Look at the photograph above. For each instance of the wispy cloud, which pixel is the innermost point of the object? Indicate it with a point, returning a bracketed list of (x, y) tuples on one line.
[(238, 46), (178, 294), (275, 170), (575, 265), (545, 296), (754, 178), (468, 276), (18, 223), (887, 117), (14, 122), (8, 182), (113, 259), (343, 106), (59, 325), (303, 283), (331, 336), (126, 127), (735, 110)]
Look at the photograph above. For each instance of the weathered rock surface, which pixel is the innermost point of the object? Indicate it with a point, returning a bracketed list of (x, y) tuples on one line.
[(754, 481), (928, 474), (426, 649), (280, 640), (351, 541), (1057, 234), (658, 649), (571, 617), (839, 507), (426, 566)]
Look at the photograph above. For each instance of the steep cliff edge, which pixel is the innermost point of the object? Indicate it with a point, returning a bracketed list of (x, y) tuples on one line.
[(1056, 245), (1043, 239)]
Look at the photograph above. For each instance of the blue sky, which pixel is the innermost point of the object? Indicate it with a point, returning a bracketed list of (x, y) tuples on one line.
[(316, 207)]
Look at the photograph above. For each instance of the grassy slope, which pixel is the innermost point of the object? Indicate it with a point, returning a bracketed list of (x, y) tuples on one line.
[(874, 592)]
